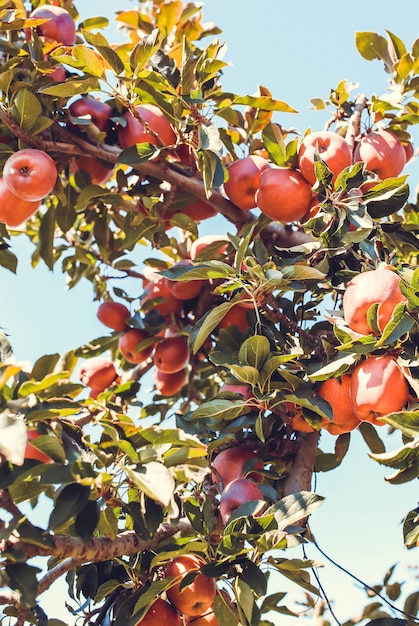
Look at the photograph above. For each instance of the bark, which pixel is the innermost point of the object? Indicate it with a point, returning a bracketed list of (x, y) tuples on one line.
[(300, 476)]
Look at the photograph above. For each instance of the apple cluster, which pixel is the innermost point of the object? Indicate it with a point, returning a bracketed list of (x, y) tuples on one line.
[(286, 194)]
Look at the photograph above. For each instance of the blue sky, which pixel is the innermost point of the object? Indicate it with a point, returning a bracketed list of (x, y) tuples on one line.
[(298, 50)]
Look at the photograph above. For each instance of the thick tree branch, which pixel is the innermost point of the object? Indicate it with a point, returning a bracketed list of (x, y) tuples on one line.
[(301, 473), (354, 124)]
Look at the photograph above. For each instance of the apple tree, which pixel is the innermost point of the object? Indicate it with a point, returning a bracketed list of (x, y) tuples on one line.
[(298, 316)]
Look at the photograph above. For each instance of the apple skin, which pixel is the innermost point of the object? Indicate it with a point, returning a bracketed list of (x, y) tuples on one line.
[(161, 613), (332, 148), (98, 373), (60, 27), (172, 354), (365, 289), (197, 597), (229, 465), (169, 384), (99, 174), (100, 113), (30, 174), (198, 210), (382, 152), (198, 246), (13, 210), (113, 315), (284, 194), (185, 290), (128, 343), (235, 494), (135, 132), (243, 182)]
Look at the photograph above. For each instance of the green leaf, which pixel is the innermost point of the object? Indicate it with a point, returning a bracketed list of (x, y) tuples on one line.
[(398, 325), (291, 509), (254, 351), (22, 578), (26, 109), (406, 421), (334, 369), (145, 49), (100, 43), (70, 501), (45, 365), (211, 169), (220, 410), (187, 69), (87, 520), (411, 530), (371, 438), (46, 238), (155, 479), (140, 153), (373, 46), (8, 260), (207, 324), (71, 87), (203, 271), (253, 576), (258, 102), (274, 143)]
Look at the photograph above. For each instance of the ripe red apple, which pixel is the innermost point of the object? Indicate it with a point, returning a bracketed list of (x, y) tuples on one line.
[(243, 390), (379, 286), (198, 210), (129, 343), (161, 613), (98, 172), (153, 128), (157, 293), (185, 290), (243, 180), (113, 315), (195, 598), (98, 373), (172, 354), (382, 152), (236, 316), (30, 174), (378, 387), (332, 148), (169, 384), (31, 451), (235, 494), (60, 26), (13, 210), (229, 465), (284, 194), (92, 109)]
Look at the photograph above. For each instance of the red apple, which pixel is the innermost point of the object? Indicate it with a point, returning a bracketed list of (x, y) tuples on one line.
[(333, 149), (13, 210), (114, 315), (172, 354), (195, 598), (284, 194), (169, 384), (60, 26), (151, 126), (243, 180), (161, 613), (98, 373), (31, 451), (129, 343), (382, 152), (229, 465), (30, 174), (235, 494), (93, 110)]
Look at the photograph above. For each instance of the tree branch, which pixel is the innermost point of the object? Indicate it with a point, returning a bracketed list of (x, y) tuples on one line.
[(354, 124), (301, 473)]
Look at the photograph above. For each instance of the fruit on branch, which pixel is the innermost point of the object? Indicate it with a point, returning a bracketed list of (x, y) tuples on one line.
[(333, 149), (185, 290), (337, 392), (243, 180), (60, 26), (235, 494), (31, 452), (95, 111), (172, 354), (198, 210), (97, 171), (380, 286), (30, 174), (196, 597), (207, 619), (113, 315), (161, 613), (378, 387), (236, 316), (98, 373), (157, 295), (151, 126), (218, 243), (409, 150), (299, 424), (243, 390), (130, 347), (169, 384), (13, 210), (284, 194), (230, 464), (382, 152)]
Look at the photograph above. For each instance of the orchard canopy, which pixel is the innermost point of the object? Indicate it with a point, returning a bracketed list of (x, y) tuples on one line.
[(300, 317)]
